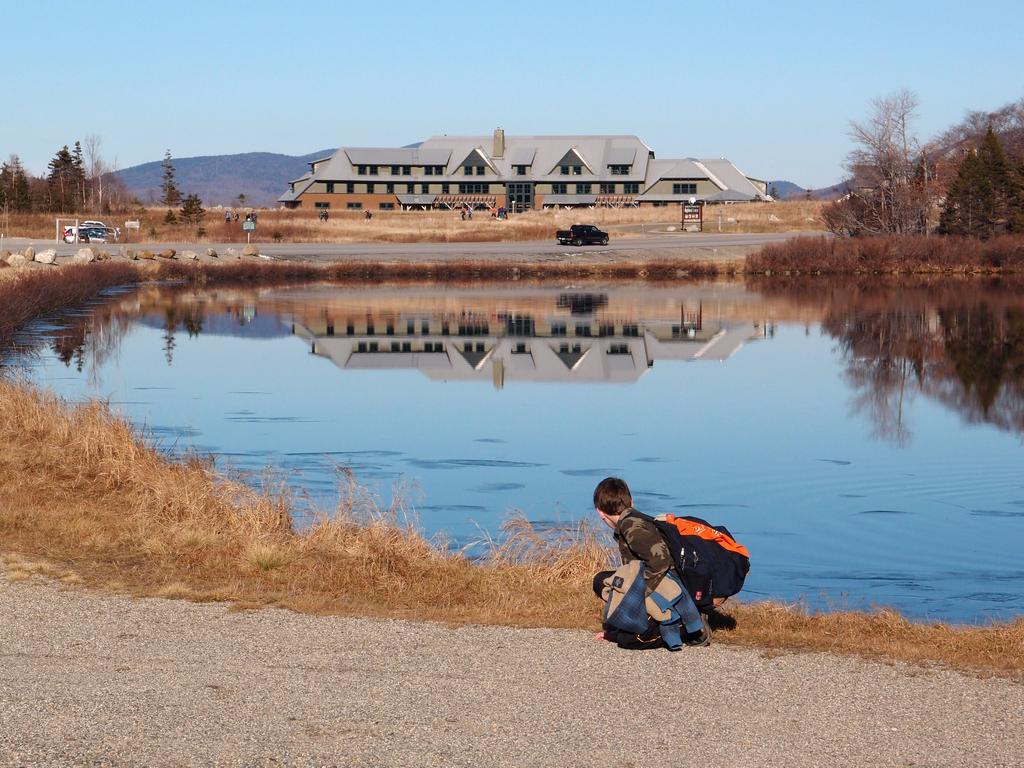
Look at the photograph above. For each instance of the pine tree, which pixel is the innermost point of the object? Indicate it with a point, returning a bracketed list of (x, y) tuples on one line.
[(61, 179), (997, 173), (192, 211), (78, 175), (966, 200), (19, 197), (171, 195)]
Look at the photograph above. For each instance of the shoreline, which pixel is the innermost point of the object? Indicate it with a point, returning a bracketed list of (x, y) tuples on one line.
[(152, 526)]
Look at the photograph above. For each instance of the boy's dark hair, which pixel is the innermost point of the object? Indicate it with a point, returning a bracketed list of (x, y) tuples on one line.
[(612, 496)]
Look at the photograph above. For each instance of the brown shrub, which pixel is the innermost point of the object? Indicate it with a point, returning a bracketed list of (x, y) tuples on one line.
[(890, 255)]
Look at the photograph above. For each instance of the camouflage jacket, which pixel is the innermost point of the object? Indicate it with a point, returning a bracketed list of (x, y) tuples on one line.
[(638, 539)]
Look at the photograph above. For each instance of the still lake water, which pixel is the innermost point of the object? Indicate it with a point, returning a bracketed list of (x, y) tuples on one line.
[(864, 441)]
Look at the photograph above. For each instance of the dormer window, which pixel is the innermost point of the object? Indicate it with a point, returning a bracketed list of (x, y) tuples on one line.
[(479, 170), (619, 170), (565, 170), (519, 170), (468, 170)]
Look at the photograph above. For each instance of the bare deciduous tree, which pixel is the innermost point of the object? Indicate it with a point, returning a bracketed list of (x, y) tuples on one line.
[(96, 167), (892, 190)]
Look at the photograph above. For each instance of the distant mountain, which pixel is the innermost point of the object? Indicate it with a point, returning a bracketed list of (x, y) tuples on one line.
[(218, 179), (787, 190)]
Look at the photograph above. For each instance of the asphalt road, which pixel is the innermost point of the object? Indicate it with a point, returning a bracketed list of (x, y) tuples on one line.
[(96, 680), (684, 245)]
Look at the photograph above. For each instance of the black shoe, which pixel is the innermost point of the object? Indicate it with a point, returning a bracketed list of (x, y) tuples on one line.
[(700, 638)]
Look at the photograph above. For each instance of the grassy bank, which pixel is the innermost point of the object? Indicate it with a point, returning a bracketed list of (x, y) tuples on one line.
[(85, 498), (890, 255), (299, 226)]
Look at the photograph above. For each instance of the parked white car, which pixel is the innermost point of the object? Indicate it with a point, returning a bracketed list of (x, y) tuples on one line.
[(91, 232)]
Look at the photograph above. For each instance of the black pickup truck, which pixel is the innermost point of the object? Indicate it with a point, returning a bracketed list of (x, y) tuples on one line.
[(581, 234)]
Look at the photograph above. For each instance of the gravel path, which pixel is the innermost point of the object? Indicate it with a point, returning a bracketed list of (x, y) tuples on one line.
[(92, 679)]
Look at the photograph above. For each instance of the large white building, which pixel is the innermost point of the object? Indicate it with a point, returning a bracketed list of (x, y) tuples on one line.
[(515, 172)]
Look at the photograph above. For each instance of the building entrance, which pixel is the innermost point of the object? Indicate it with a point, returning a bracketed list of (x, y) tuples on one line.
[(519, 196)]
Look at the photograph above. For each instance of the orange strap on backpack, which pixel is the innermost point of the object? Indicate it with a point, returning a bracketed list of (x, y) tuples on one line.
[(690, 528)]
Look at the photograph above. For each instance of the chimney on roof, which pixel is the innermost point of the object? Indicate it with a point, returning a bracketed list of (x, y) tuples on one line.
[(499, 143)]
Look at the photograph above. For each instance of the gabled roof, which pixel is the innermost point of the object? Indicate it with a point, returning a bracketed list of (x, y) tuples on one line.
[(543, 153), (566, 159), (731, 176)]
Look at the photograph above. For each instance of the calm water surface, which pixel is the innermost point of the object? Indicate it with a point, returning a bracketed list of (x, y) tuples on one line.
[(864, 441)]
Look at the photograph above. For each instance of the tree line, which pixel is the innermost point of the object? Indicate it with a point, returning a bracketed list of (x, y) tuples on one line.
[(79, 180), (969, 180)]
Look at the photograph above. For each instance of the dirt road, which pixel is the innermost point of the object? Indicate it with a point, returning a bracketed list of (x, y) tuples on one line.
[(90, 679)]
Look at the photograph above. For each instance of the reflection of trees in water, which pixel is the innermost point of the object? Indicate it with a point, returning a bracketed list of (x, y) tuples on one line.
[(968, 356), (93, 339)]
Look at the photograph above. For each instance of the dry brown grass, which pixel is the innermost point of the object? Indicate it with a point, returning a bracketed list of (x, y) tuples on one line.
[(302, 226)]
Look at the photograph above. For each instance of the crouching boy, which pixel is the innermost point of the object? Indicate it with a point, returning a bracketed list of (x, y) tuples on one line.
[(672, 618)]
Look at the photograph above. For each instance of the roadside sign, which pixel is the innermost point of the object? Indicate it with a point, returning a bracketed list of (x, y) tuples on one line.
[(693, 216), (131, 224), (248, 226)]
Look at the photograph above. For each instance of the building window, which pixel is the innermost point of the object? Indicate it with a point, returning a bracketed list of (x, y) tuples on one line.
[(395, 346), (424, 188), (321, 205), (583, 189), (390, 188), (577, 170), (618, 349), (479, 170), (406, 170), (428, 170), (445, 189), (394, 170), (607, 189), (473, 189), (350, 187), (520, 170), (558, 188), (619, 170), (558, 329), (354, 206), (361, 170), (410, 188), (389, 329), (350, 329), (630, 330), (373, 170), (631, 188), (684, 189), (369, 188), (439, 170), (582, 330), (564, 170), (520, 349), (361, 346), (387, 206), (606, 329), (468, 170), (330, 187)]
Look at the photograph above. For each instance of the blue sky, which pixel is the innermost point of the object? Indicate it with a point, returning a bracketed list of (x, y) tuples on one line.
[(771, 86)]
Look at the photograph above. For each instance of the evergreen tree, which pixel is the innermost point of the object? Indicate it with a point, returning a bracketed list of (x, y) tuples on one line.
[(61, 179), (192, 211), (966, 200), (20, 196), (78, 175), (171, 195)]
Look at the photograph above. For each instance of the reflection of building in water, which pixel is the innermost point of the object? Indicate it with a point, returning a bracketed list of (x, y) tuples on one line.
[(524, 346)]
